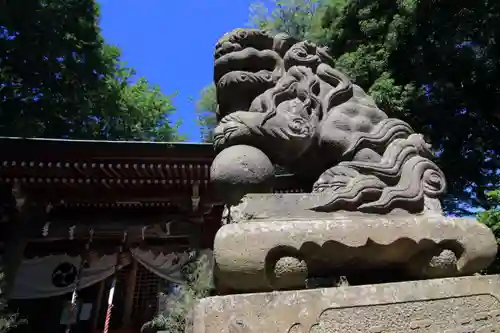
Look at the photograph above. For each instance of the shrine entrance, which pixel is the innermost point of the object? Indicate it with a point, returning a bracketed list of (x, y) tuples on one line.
[(88, 215)]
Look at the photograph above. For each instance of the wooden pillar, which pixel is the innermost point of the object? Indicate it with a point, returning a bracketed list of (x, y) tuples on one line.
[(28, 216), (129, 293)]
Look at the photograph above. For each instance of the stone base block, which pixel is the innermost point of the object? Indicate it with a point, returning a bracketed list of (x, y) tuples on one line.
[(280, 254), (453, 305)]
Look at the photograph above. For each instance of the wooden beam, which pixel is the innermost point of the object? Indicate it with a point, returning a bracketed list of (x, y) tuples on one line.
[(106, 180), (39, 149), (161, 227), (100, 222), (110, 193), (103, 246)]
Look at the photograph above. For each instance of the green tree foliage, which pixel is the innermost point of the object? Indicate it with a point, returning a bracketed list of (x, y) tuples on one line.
[(59, 79), (434, 64), (8, 320), (295, 17), (491, 218), (206, 107), (199, 283)]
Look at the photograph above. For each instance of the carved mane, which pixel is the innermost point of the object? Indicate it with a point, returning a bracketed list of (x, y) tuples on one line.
[(286, 98)]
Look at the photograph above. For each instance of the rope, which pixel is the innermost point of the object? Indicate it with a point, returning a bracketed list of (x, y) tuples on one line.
[(85, 259), (107, 323)]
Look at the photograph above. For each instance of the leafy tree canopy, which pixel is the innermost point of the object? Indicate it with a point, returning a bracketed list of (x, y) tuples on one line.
[(206, 107), (294, 17), (58, 78), (434, 64), (178, 314), (491, 218)]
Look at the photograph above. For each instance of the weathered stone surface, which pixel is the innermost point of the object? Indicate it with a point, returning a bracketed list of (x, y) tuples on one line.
[(279, 207), (455, 305), (252, 255), (284, 97), (239, 170), (374, 202)]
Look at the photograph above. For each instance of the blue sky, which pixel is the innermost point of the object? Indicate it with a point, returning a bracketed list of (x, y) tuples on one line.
[(171, 43)]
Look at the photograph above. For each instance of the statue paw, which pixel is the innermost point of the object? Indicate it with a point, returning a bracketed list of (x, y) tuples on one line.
[(231, 130)]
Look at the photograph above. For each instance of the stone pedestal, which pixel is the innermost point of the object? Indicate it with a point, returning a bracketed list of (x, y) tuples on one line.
[(453, 305), (372, 219), (273, 242)]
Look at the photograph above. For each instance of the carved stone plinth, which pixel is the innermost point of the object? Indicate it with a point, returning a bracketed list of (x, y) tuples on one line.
[(372, 215), (271, 243), (467, 304)]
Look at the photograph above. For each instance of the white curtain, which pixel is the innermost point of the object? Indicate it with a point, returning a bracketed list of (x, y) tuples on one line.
[(55, 275), (167, 266)]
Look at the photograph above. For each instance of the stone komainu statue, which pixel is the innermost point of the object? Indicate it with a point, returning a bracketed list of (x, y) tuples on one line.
[(285, 98), (373, 211)]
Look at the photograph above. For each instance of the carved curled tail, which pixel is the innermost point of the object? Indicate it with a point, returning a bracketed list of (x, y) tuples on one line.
[(384, 133), (402, 179), (390, 167), (359, 189), (419, 177)]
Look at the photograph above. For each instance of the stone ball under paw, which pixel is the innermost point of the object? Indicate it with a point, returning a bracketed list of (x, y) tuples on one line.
[(443, 264), (239, 170), (290, 272)]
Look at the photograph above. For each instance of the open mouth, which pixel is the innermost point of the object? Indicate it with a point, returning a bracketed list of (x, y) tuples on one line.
[(246, 60)]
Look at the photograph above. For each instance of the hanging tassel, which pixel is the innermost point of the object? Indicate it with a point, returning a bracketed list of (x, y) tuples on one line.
[(74, 296), (108, 317), (45, 229), (107, 323), (72, 232)]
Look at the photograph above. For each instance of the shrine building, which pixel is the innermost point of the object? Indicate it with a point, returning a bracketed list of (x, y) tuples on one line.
[(136, 211)]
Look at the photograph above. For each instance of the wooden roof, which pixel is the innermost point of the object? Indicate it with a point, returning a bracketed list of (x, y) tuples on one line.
[(105, 172), (130, 150), (111, 185)]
